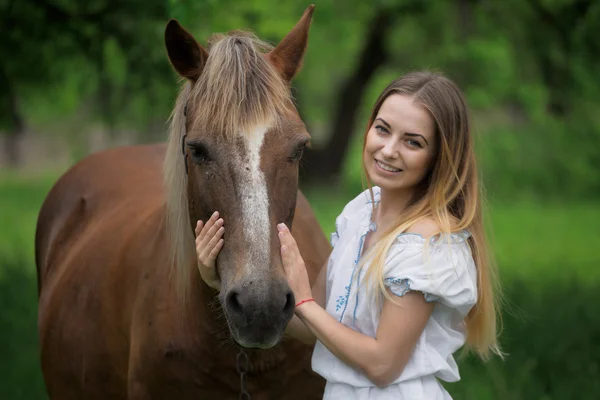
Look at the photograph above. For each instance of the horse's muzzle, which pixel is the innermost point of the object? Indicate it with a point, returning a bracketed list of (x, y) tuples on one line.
[(259, 313)]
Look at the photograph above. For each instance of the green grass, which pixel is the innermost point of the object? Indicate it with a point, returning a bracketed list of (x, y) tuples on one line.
[(548, 258), (21, 197)]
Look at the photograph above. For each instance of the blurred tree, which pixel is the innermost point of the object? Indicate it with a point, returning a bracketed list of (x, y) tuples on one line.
[(528, 69), (325, 163), (108, 48)]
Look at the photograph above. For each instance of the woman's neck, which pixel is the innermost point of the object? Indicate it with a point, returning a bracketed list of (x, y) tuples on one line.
[(391, 205)]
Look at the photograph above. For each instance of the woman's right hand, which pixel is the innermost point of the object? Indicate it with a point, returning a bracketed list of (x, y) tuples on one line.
[(209, 241)]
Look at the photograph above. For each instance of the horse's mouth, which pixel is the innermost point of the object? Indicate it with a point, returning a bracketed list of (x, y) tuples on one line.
[(255, 337)]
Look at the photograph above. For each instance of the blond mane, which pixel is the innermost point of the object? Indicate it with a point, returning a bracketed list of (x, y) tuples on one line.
[(237, 91)]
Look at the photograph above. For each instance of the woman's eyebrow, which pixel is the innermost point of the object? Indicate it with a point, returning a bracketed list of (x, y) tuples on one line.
[(384, 122)]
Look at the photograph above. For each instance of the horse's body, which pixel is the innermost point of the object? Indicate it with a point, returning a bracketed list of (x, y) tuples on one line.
[(112, 321), (110, 326)]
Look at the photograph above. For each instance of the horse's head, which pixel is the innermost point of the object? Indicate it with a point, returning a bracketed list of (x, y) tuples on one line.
[(235, 144)]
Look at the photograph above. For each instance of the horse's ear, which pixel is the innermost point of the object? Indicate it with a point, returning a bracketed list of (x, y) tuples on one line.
[(287, 56), (185, 54)]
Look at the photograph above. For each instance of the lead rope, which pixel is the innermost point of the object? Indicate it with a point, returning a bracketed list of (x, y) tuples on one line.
[(242, 368)]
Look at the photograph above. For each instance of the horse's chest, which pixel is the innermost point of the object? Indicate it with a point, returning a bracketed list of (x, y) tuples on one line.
[(195, 373)]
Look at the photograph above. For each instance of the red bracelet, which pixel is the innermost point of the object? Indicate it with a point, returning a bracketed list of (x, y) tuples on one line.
[(304, 301)]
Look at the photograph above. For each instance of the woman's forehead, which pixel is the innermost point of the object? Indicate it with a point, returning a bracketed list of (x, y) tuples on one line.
[(401, 112)]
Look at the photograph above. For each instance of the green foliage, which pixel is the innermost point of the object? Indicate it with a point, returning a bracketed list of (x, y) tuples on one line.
[(528, 80), (101, 59), (528, 70)]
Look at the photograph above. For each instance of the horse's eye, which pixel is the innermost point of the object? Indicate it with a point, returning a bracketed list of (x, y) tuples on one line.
[(199, 152), (297, 153)]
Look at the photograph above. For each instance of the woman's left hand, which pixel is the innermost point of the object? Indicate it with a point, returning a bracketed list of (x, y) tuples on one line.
[(293, 265)]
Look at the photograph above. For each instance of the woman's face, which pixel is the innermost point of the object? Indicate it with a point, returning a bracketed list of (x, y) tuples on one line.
[(401, 144)]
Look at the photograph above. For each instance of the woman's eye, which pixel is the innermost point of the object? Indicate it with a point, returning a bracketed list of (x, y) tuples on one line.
[(381, 129), (414, 143)]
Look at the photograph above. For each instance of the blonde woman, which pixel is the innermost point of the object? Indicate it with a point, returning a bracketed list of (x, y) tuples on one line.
[(409, 281)]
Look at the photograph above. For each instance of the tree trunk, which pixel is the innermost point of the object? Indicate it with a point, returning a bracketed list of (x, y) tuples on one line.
[(324, 165), (16, 129), (558, 76)]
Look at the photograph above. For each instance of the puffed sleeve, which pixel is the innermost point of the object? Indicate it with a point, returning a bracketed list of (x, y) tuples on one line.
[(352, 212), (443, 270)]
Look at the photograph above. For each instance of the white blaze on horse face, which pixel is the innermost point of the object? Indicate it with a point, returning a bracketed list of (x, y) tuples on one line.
[(255, 200)]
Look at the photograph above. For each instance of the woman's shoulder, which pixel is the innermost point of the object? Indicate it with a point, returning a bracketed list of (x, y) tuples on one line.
[(439, 265), (427, 231), (426, 228)]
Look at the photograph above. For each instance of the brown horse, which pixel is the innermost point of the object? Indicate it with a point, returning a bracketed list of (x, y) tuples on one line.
[(123, 313)]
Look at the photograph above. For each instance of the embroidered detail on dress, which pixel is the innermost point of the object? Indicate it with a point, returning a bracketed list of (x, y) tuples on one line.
[(454, 237), (402, 282), (376, 195), (344, 302), (356, 304), (343, 299)]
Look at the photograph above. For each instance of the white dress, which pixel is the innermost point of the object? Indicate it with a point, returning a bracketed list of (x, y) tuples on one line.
[(443, 269)]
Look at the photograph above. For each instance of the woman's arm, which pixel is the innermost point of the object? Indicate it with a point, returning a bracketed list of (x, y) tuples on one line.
[(296, 328), (383, 358)]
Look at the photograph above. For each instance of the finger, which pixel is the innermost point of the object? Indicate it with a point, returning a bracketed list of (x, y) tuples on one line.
[(288, 240), (285, 257), (285, 243), (215, 251), (212, 231), (214, 217), (213, 223), (205, 246), (199, 226), (215, 239), (209, 232), (282, 227)]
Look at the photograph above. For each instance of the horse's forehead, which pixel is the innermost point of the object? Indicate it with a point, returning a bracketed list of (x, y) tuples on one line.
[(253, 141)]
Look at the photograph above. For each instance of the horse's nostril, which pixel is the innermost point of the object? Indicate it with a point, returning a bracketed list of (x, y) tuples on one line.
[(233, 302), (289, 302)]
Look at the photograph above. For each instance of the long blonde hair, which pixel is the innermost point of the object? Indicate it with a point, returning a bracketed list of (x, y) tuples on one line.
[(450, 195)]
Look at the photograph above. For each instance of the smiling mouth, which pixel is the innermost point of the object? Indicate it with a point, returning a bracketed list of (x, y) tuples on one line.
[(387, 167)]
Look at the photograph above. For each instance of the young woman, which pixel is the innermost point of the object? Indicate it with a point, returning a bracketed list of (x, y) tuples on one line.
[(409, 281)]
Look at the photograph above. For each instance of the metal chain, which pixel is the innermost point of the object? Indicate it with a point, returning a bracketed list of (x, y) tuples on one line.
[(242, 369)]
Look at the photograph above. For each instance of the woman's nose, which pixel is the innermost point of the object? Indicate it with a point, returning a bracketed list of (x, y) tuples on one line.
[(390, 150)]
